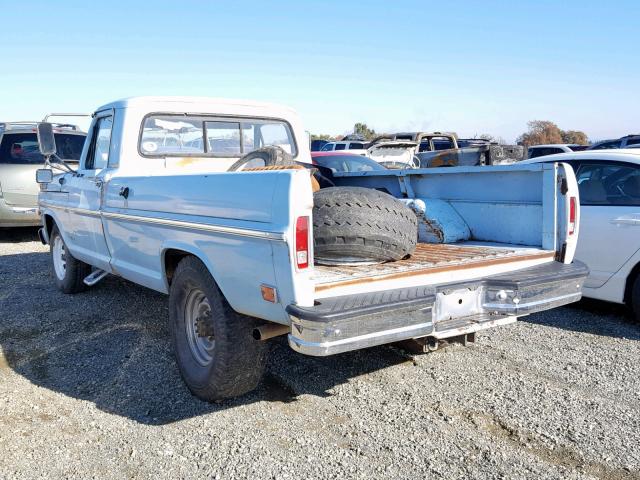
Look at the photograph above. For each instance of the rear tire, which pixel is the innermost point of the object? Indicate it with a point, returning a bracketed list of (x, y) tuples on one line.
[(68, 272), (214, 347)]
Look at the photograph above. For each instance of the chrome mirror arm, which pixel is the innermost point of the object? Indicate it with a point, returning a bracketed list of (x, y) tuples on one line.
[(60, 164)]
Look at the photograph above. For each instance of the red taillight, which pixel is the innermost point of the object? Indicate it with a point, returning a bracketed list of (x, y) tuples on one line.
[(572, 215), (302, 242)]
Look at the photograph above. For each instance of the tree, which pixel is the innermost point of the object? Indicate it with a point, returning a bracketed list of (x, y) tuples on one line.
[(364, 130), (575, 136), (542, 132)]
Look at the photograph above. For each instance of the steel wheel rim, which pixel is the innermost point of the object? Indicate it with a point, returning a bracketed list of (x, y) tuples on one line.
[(196, 308), (59, 258)]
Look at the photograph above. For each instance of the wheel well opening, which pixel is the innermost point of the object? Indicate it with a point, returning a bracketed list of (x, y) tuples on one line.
[(49, 222), (172, 258), (635, 271)]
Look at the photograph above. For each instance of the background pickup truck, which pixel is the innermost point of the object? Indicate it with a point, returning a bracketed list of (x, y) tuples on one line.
[(152, 202)]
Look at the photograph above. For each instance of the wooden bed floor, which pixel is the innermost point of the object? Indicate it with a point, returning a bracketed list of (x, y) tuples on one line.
[(428, 258)]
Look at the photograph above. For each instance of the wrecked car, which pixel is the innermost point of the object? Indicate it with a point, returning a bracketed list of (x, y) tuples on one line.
[(438, 149)]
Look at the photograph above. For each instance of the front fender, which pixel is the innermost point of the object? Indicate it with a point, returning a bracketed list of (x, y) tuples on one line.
[(47, 228)]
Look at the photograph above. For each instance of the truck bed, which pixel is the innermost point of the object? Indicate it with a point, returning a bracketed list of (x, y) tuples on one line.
[(428, 259)]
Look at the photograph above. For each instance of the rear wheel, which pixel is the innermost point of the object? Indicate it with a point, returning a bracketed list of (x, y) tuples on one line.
[(214, 347), (69, 273)]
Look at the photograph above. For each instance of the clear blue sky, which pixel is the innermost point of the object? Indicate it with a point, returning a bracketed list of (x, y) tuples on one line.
[(470, 66)]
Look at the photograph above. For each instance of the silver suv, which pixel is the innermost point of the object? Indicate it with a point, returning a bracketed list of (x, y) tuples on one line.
[(19, 160)]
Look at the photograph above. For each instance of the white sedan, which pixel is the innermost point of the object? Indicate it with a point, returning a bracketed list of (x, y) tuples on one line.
[(609, 240)]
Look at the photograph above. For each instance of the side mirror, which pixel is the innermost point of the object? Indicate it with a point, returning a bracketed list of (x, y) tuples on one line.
[(46, 140), (44, 176)]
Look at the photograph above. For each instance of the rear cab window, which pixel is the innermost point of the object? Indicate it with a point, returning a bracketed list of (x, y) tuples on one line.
[(202, 136), (442, 143), (22, 148)]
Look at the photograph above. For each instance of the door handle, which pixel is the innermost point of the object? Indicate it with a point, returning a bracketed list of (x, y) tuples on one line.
[(98, 182), (124, 192)]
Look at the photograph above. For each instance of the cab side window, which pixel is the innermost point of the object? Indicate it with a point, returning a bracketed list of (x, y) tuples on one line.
[(98, 154)]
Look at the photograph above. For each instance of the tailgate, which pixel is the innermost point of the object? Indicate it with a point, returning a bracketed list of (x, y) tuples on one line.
[(348, 322)]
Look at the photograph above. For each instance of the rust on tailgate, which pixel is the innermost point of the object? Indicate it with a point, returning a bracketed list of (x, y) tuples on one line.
[(427, 258)]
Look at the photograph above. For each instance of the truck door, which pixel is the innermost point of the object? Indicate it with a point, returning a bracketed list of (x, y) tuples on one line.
[(86, 234)]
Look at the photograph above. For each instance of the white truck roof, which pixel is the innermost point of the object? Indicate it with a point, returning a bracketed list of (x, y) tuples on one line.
[(200, 105)]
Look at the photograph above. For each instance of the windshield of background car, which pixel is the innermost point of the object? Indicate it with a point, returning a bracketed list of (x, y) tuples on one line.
[(184, 135), (606, 145), (22, 148), (348, 163)]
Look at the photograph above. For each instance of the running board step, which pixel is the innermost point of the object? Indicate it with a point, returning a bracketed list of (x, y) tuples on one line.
[(94, 277)]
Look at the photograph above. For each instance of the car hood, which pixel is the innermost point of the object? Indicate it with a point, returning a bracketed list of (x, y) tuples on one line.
[(396, 152)]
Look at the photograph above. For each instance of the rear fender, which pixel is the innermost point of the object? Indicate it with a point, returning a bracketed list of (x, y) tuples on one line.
[(188, 250)]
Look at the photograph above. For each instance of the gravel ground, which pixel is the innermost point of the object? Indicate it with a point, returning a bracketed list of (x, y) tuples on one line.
[(89, 388)]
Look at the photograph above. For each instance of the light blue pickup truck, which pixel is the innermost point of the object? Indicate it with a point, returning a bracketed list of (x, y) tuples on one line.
[(152, 201)]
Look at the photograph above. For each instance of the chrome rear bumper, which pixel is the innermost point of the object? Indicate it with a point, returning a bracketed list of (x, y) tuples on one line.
[(352, 322)]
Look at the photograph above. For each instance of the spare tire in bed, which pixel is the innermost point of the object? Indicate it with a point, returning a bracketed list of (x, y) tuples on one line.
[(354, 225), (263, 157)]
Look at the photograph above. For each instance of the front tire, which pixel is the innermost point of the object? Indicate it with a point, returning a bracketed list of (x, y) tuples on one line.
[(214, 347), (68, 272)]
